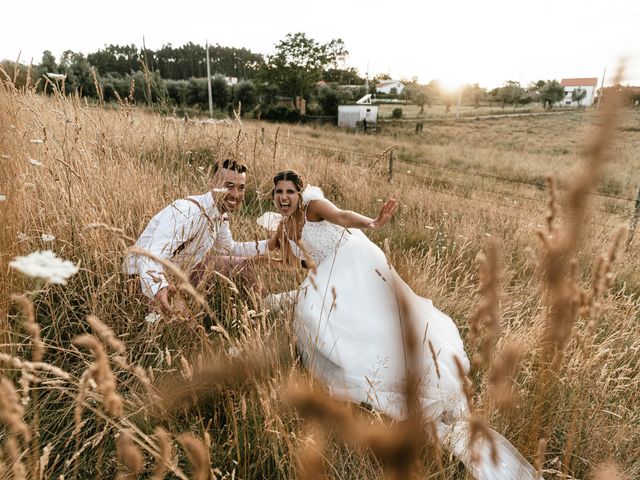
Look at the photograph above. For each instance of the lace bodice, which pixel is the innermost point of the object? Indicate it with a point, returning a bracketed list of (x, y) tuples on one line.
[(321, 239)]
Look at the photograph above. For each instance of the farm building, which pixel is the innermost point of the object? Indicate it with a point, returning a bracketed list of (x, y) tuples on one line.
[(349, 116), (589, 85), (388, 85)]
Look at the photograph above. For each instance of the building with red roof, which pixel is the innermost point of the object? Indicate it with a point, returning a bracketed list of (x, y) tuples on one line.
[(589, 85)]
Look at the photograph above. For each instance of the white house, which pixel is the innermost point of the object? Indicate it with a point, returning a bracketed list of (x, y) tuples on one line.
[(386, 86), (590, 85), (231, 81)]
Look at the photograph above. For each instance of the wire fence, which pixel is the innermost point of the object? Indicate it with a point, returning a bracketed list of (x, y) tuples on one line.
[(498, 177), (487, 190), (444, 186)]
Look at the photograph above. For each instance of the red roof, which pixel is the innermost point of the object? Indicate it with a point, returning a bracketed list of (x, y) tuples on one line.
[(579, 82)]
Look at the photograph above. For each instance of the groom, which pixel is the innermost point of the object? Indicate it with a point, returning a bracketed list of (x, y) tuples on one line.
[(193, 233)]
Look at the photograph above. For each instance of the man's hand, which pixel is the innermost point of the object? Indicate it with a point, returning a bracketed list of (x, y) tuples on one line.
[(168, 295), (385, 214)]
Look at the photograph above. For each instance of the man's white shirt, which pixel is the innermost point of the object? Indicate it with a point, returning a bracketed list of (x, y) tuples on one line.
[(184, 232)]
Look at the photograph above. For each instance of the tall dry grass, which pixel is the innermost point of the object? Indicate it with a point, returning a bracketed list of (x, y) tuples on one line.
[(86, 377)]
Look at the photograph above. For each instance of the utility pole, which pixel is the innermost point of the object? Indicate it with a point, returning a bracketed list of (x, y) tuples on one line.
[(366, 80), (601, 88), (146, 72), (209, 81)]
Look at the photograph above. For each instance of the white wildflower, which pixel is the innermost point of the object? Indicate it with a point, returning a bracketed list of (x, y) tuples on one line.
[(379, 200), (269, 220), (36, 141), (56, 76), (233, 352), (408, 171), (152, 318), (45, 264), (201, 168), (22, 237), (3, 198), (46, 237), (429, 227), (35, 162), (487, 234)]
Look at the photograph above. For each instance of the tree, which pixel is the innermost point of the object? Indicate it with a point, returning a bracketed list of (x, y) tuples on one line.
[(536, 86), (381, 77), (328, 99), (578, 95), (298, 62), (473, 94), (421, 95), (78, 71), (551, 93), (245, 94), (510, 93), (48, 64), (421, 98), (343, 76), (220, 91)]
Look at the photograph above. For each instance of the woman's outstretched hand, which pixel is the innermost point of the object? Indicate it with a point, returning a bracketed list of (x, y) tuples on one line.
[(385, 214)]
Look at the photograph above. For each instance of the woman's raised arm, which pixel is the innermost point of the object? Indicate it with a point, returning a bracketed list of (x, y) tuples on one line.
[(325, 210)]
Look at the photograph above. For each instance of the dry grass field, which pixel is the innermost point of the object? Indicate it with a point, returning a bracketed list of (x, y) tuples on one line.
[(411, 111), (90, 387)]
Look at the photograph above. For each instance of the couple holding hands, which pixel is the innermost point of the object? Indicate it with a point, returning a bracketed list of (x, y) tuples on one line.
[(349, 311)]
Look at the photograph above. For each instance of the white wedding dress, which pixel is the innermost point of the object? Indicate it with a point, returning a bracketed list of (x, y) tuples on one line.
[(348, 328)]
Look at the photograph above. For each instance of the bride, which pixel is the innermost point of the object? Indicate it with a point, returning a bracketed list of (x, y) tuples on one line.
[(350, 332)]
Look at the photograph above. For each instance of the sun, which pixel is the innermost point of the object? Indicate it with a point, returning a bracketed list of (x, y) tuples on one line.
[(450, 84)]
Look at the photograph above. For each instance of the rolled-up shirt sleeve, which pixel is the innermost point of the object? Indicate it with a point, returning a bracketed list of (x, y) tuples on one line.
[(165, 234)]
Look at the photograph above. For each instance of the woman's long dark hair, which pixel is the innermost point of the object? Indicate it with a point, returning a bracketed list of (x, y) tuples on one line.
[(298, 182)]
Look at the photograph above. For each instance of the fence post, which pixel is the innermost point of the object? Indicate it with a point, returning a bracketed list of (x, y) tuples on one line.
[(391, 158), (275, 143), (634, 219)]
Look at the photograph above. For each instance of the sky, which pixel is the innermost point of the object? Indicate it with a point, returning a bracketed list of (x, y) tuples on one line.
[(454, 41)]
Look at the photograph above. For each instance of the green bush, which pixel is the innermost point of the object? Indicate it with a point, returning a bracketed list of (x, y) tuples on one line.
[(396, 113), (281, 113)]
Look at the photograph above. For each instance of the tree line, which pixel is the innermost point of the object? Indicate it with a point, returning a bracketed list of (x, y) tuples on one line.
[(299, 66)]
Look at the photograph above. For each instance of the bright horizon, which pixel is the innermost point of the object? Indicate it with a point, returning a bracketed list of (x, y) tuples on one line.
[(486, 42)]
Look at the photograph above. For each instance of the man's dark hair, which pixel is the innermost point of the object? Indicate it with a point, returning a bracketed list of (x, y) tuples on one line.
[(230, 164)]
